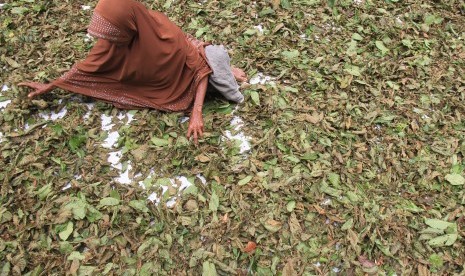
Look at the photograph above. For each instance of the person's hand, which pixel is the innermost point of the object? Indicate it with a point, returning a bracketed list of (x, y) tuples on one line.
[(39, 88), (239, 74), (195, 126)]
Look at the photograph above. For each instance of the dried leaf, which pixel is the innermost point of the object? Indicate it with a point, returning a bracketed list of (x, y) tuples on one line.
[(455, 179)]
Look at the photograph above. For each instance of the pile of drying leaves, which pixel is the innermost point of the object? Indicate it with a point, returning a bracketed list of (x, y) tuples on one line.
[(353, 159)]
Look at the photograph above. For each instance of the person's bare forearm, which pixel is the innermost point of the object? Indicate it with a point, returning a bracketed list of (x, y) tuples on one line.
[(200, 96), (196, 121)]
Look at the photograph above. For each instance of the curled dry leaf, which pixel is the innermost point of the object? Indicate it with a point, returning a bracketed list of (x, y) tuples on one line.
[(365, 262)]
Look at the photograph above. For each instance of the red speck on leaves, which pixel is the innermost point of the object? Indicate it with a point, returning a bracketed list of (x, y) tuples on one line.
[(251, 246)]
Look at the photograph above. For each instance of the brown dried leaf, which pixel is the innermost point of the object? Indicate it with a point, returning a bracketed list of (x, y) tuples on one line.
[(365, 262), (288, 269), (423, 270), (202, 158), (294, 224)]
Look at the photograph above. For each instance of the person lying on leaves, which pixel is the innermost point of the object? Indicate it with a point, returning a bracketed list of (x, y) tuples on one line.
[(143, 60)]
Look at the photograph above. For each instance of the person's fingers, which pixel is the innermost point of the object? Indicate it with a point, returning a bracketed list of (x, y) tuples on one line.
[(28, 84), (196, 141), (36, 92), (189, 132)]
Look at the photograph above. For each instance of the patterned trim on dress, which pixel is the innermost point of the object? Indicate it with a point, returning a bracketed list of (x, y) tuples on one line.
[(101, 28)]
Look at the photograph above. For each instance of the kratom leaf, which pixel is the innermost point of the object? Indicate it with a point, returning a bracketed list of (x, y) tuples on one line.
[(255, 97), (455, 179), (245, 180), (208, 269), (214, 202), (438, 224), (381, 47), (445, 240), (140, 205), (160, 142), (109, 201), (65, 233)]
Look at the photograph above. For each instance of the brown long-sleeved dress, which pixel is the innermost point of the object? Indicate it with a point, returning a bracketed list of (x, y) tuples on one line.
[(140, 60)]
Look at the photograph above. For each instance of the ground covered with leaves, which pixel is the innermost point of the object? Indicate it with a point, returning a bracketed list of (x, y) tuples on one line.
[(353, 159)]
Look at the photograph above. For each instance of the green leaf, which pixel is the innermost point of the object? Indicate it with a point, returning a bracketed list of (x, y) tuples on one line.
[(285, 4), (266, 11), (160, 142), (291, 206), (245, 180), (356, 36), (250, 31), (167, 4), (147, 269), (255, 97), (65, 233), (352, 49), (353, 70), (109, 201), (393, 85), (444, 240), (107, 269), (407, 43), (147, 244), (76, 141), (140, 205), (290, 55), (86, 270), (381, 47), (436, 261), (324, 188), (310, 156), (201, 31), (431, 19), (348, 224), (410, 206), (334, 179), (292, 158), (438, 224), (214, 202), (93, 214), (75, 255), (191, 190), (65, 247), (331, 3), (79, 210), (455, 179), (58, 129), (43, 192), (208, 269), (352, 196), (19, 10)]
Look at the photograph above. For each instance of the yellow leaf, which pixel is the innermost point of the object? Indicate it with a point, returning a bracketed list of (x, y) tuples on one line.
[(202, 158)]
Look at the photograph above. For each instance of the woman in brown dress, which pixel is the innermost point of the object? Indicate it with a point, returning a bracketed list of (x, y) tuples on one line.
[(140, 60)]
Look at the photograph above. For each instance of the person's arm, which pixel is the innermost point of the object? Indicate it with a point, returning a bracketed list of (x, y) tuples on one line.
[(39, 88), (196, 120)]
